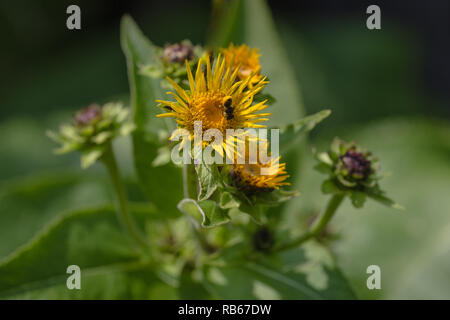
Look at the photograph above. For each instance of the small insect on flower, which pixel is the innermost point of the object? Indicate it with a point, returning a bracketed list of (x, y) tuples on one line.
[(228, 108), (216, 99), (246, 60)]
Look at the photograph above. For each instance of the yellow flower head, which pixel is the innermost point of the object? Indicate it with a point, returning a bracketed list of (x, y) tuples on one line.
[(216, 99), (261, 176), (246, 60)]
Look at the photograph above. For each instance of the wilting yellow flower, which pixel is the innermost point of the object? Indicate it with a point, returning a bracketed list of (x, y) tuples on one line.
[(246, 60), (216, 99), (264, 175), (249, 176)]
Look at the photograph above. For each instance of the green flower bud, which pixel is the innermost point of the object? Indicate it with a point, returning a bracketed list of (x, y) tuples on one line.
[(351, 170), (171, 63), (349, 165), (92, 131)]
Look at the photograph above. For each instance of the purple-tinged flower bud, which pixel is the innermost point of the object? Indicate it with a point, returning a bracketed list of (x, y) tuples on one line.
[(356, 164), (178, 52), (87, 115)]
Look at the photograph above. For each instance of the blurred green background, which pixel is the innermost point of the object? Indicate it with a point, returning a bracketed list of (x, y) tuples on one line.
[(388, 89)]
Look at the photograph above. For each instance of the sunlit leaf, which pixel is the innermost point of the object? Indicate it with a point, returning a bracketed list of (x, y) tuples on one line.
[(162, 184), (206, 213), (111, 266)]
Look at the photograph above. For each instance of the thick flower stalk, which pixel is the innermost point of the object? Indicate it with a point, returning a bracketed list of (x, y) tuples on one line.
[(91, 133)]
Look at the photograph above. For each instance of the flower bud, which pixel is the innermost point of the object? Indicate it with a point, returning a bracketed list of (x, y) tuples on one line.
[(355, 164), (178, 52), (353, 171), (87, 115), (92, 131)]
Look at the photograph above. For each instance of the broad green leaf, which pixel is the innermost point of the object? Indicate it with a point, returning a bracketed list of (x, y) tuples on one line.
[(303, 273), (28, 204), (24, 139), (206, 213), (162, 184), (111, 266), (191, 286)]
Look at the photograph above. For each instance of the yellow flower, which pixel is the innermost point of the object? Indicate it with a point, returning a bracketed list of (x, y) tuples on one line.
[(261, 176), (246, 60), (216, 99)]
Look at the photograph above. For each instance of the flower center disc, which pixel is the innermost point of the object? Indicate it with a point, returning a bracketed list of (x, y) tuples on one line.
[(209, 109)]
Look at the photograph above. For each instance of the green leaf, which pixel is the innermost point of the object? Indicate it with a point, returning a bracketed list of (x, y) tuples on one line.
[(303, 273), (228, 201), (191, 286), (161, 184), (381, 198), (206, 213), (276, 197), (329, 187), (323, 168), (28, 204), (256, 211), (207, 178), (290, 133), (88, 158), (92, 239), (358, 198)]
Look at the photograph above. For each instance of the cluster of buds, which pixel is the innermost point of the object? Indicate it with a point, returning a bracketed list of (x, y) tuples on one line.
[(171, 62), (92, 130), (351, 170)]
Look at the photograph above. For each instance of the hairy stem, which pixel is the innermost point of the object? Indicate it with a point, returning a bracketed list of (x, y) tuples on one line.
[(124, 215), (318, 226)]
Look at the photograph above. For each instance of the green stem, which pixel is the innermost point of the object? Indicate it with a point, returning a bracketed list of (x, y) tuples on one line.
[(189, 181), (190, 186), (319, 225), (124, 215)]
